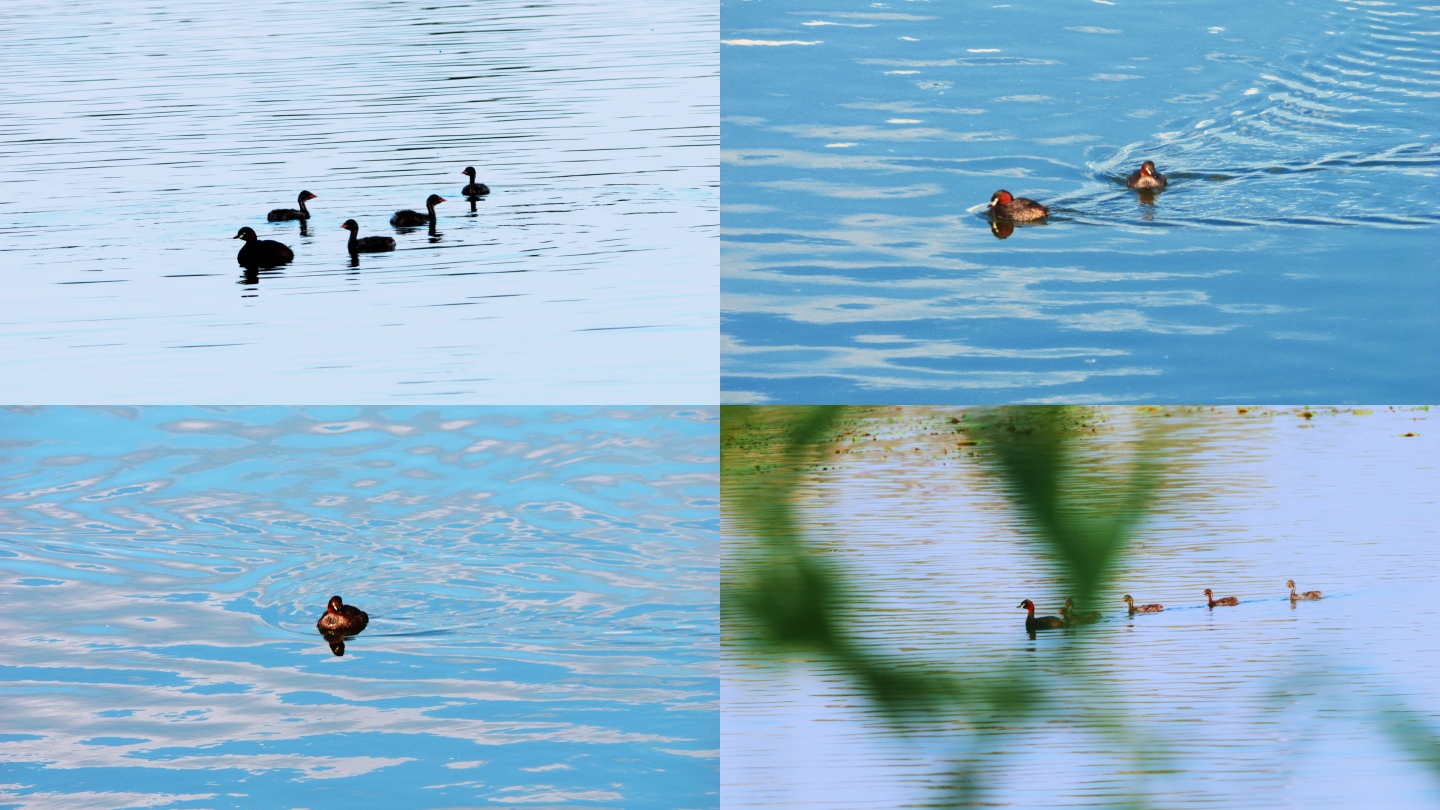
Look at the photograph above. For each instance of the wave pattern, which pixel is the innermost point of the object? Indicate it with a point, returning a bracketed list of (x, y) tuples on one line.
[(857, 262), (541, 586), (133, 153)]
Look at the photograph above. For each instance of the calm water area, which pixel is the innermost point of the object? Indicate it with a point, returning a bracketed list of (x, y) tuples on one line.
[(542, 590), (1293, 257), (1263, 704), (136, 140)]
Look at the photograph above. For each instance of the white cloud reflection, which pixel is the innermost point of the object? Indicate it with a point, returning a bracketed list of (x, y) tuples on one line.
[(191, 556)]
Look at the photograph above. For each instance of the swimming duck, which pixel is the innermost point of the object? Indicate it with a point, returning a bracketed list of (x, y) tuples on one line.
[(370, 244), (1146, 177), (473, 189), (410, 219), (257, 252), (287, 214), (1229, 600), (341, 619), (1290, 583), (1071, 617), (1033, 623), (1019, 209), (1129, 600)]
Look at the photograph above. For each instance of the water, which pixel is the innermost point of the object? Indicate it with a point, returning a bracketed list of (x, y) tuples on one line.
[(541, 584), (1258, 704), (1293, 257), (136, 142)]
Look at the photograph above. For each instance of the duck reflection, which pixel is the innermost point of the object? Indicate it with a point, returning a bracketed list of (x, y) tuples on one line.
[(341, 621), (250, 279), (1002, 228)]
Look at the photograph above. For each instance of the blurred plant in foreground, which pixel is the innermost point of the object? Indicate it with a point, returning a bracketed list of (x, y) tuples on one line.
[(1082, 501), (1082, 516)]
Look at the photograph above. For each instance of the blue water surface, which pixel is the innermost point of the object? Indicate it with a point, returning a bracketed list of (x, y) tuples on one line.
[(1292, 258), (541, 585)]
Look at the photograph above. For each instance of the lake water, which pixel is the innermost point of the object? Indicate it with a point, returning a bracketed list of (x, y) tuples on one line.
[(1261, 704), (541, 585), (1293, 258), (137, 141)]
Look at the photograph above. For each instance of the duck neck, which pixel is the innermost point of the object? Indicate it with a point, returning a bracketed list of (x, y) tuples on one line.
[(354, 237), (304, 212)]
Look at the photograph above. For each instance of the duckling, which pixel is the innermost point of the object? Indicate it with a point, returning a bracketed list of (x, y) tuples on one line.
[(1290, 583), (1033, 622), (1229, 600), (1071, 617), (1129, 600)]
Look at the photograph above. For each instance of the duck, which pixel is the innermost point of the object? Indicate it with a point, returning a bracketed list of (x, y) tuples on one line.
[(288, 214), (1146, 177), (1033, 623), (341, 619), (1308, 595), (408, 218), (257, 252), (370, 244), (1071, 617), (474, 189), (1129, 600), (1019, 209), (1229, 600)]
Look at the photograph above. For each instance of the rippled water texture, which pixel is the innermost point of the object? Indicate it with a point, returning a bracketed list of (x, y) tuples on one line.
[(135, 142), (1261, 704), (1292, 258), (541, 588)]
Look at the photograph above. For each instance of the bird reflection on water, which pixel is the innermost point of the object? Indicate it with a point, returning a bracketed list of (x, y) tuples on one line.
[(250, 279)]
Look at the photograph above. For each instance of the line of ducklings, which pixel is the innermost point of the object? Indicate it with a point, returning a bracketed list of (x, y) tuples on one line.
[(1007, 207), (257, 252), (1069, 617)]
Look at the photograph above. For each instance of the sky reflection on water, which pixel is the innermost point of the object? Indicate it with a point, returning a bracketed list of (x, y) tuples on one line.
[(541, 584), (1292, 258), (137, 141)]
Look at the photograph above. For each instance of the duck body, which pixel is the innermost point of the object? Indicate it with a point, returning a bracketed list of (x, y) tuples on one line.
[(1146, 177), (288, 214), (1140, 608), (341, 619), (370, 244), (1004, 205), (1033, 622), (1300, 597), (1227, 601), (474, 189), (408, 218), (257, 252), (1073, 617)]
